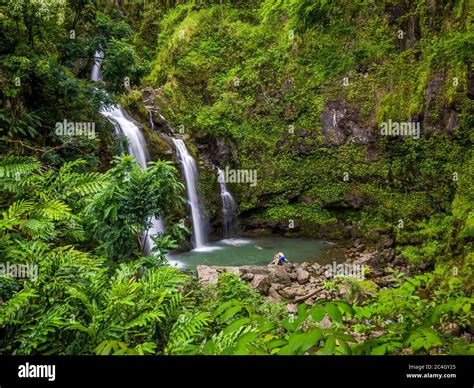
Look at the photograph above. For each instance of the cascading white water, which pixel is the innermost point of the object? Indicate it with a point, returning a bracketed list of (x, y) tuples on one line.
[(96, 74), (125, 125), (190, 173), (152, 124), (229, 206), (136, 142)]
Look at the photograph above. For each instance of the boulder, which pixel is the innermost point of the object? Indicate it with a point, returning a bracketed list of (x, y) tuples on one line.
[(247, 276), (300, 290), (209, 274), (365, 258), (287, 293), (261, 283), (316, 267), (279, 275), (206, 274), (254, 269), (302, 276), (273, 292)]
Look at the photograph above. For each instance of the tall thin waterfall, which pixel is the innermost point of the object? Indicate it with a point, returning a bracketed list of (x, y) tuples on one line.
[(136, 142), (152, 124), (229, 206), (96, 74), (190, 172)]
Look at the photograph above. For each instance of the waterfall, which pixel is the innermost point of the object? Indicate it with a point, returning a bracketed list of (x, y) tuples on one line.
[(190, 172), (125, 125), (96, 74), (152, 124), (136, 142), (229, 206)]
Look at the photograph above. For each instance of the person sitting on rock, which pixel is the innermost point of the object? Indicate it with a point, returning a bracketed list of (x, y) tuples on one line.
[(279, 259)]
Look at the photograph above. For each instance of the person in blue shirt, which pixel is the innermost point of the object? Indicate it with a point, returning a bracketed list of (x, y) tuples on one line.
[(279, 259)]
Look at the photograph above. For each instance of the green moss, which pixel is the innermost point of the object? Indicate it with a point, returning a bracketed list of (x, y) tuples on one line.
[(261, 78)]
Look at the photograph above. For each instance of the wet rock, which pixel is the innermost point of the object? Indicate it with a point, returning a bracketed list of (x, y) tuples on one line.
[(421, 265), (306, 199), (365, 258), (341, 123), (357, 242), (386, 241), (316, 267), (383, 281)]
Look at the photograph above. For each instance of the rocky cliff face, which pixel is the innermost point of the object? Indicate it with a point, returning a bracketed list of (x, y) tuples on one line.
[(305, 108)]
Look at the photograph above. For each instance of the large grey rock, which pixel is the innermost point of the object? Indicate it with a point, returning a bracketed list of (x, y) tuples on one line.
[(206, 274), (209, 274), (254, 269), (316, 267), (279, 275), (273, 292), (261, 283), (302, 276)]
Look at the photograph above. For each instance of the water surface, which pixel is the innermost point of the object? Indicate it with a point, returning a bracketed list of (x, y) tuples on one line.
[(258, 251)]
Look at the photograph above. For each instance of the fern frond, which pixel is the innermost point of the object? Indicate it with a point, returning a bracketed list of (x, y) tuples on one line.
[(49, 323), (146, 318), (53, 209), (185, 330), (11, 311), (13, 216), (16, 166)]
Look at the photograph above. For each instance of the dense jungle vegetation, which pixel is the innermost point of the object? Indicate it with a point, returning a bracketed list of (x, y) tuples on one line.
[(256, 84)]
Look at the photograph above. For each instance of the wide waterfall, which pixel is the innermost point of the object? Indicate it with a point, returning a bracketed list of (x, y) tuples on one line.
[(136, 143), (229, 206), (190, 172)]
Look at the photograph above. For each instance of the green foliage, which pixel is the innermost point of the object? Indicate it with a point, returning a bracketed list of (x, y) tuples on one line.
[(121, 213), (241, 73), (121, 63), (230, 287)]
